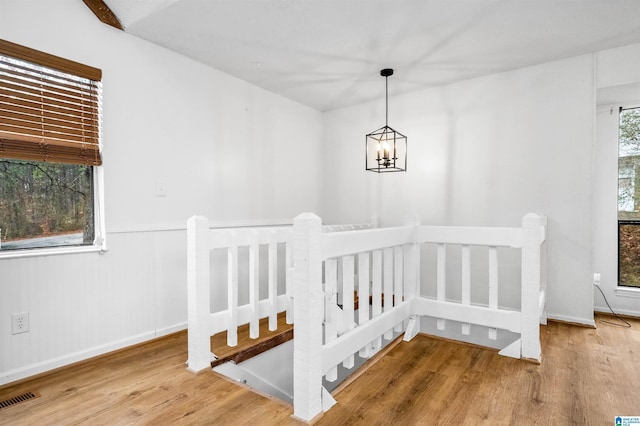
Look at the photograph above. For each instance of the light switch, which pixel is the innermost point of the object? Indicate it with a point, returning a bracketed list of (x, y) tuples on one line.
[(161, 189)]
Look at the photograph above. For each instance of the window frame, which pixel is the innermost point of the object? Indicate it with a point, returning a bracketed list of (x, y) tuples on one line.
[(22, 53), (623, 221)]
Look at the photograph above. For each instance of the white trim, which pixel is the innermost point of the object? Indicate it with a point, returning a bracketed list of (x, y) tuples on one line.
[(627, 312), (100, 245), (51, 364), (575, 320), (172, 329), (34, 252), (148, 227), (182, 226), (633, 292), (100, 233)]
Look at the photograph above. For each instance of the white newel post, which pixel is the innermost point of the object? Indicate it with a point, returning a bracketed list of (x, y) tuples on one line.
[(308, 307), (532, 237), (198, 314), (412, 279)]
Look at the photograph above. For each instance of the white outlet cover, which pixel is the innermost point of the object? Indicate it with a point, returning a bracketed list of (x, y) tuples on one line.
[(19, 323)]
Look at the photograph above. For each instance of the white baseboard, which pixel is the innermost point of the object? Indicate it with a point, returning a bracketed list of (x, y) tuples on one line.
[(51, 364), (173, 329), (628, 312), (574, 320)]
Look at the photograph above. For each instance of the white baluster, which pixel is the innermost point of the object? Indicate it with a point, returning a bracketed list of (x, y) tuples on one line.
[(376, 291), (493, 286), (363, 296), (466, 284), (441, 292), (388, 286), (348, 271), (397, 280), (273, 281), (331, 308), (232, 290), (289, 277), (254, 285)]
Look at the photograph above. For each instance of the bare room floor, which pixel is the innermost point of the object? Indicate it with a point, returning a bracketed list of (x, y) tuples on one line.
[(587, 376)]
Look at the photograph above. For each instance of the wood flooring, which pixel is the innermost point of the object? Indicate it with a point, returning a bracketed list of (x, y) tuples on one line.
[(587, 377)]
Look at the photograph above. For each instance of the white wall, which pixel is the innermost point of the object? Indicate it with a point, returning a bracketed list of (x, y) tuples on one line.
[(618, 78), (222, 147), (483, 152)]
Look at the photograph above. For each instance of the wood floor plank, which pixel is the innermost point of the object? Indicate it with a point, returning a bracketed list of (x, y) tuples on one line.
[(587, 376)]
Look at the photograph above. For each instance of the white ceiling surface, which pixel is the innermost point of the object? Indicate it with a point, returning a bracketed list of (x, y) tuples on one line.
[(328, 53)]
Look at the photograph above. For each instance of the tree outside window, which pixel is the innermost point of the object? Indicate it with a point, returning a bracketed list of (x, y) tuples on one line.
[(45, 204)]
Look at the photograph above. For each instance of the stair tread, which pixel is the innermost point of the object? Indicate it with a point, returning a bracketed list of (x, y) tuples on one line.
[(248, 347)]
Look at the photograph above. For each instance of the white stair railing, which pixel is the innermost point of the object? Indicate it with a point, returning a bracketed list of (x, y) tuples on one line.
[(388, 271), (202, 323), (381, 266), (530, 240), (386, 265)]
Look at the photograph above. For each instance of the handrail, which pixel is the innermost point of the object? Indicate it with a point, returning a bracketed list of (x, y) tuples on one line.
[(470, 236), (352, 242)]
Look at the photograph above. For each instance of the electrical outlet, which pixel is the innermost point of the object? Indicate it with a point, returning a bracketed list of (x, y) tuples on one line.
[(596, 279), (19, 323)]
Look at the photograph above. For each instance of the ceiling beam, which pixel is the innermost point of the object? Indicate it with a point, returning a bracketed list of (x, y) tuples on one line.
[(104, 14)]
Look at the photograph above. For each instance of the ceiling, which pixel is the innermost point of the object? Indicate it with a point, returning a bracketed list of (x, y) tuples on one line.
[(328, 53)]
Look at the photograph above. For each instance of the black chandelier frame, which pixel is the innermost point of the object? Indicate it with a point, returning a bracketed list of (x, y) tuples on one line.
[(386, 148)]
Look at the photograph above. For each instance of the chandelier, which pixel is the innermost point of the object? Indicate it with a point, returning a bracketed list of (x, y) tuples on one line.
[(386, 148)]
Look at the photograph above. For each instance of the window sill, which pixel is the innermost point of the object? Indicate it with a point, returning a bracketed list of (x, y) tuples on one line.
[(13, 254), (628, 292)]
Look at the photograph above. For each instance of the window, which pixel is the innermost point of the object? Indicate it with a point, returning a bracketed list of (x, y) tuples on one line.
[(629, 198), (49, 150)]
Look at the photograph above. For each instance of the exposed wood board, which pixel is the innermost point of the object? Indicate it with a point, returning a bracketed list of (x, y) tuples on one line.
[(257, 349), (104, 14)]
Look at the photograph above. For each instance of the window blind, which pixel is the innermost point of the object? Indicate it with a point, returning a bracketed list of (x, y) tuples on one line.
[(49, 107)]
